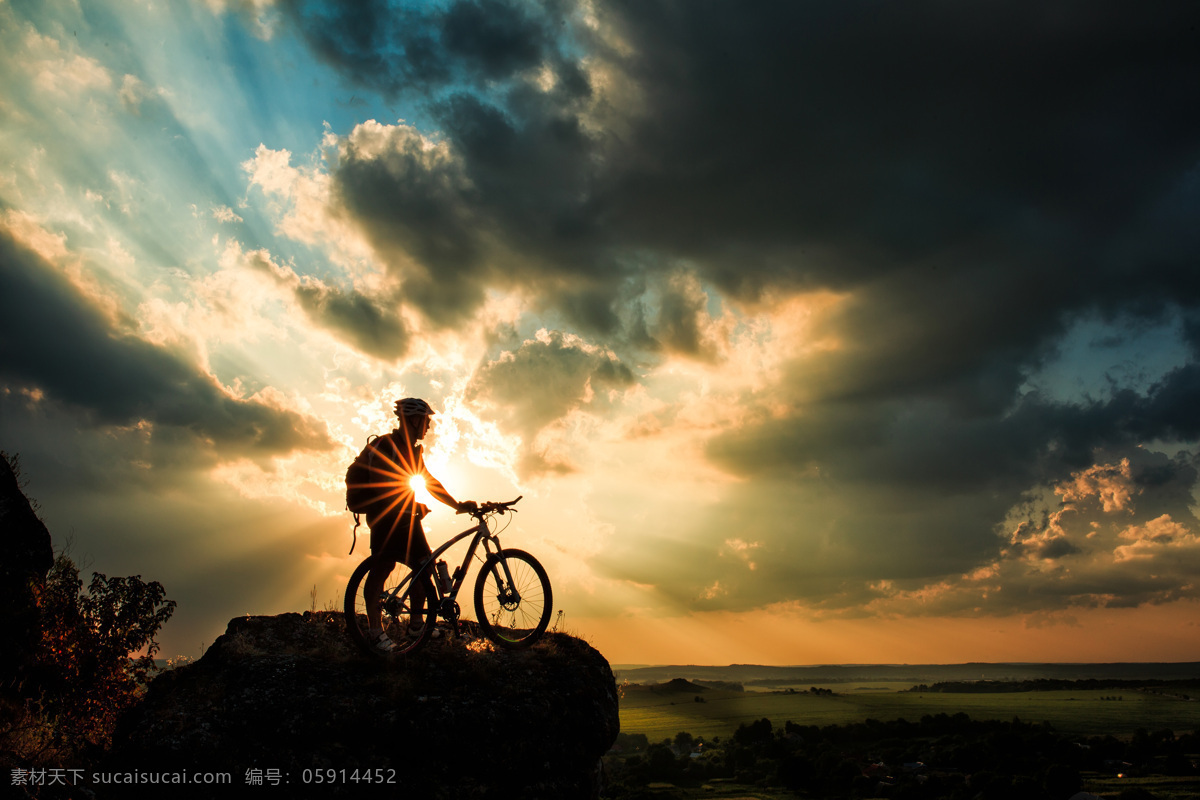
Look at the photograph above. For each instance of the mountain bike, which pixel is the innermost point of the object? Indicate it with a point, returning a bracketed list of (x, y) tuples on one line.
[(512, 593)]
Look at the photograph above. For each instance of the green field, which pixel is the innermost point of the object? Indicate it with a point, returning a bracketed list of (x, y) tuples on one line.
[(660, 714)]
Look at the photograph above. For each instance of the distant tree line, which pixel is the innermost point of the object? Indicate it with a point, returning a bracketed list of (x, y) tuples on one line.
[(1056, 684), (723, 686), (949, 757)]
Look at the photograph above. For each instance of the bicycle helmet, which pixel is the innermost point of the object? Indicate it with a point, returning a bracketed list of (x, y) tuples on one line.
[(413, 407)]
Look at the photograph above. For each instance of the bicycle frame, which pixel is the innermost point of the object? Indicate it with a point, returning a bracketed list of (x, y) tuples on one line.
[(491, 545)]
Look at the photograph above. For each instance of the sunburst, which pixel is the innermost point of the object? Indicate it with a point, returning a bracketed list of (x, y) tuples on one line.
[(394, 479)]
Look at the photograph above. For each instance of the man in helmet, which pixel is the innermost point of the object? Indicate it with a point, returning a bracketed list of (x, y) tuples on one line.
[(395, 518)]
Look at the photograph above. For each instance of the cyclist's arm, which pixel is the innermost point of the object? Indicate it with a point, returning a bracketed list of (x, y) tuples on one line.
[(439, 492)]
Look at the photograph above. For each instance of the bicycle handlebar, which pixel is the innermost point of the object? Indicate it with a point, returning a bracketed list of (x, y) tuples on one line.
[(494, 507)]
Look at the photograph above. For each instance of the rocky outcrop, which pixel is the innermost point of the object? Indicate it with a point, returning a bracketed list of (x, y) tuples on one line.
[(27, 556), (288, 705)]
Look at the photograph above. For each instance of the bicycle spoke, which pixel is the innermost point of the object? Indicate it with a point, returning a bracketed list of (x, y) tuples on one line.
[(396, 609), (513, 613)]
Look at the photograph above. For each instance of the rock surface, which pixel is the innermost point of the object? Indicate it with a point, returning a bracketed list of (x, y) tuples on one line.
[(28, 555), (289, 700)]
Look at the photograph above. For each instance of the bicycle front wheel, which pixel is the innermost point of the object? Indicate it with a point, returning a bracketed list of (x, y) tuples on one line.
[(397, 608), (513, 599)]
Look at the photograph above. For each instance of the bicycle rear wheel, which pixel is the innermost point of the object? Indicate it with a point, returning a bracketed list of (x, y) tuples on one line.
[(396, 609), (513, 613)]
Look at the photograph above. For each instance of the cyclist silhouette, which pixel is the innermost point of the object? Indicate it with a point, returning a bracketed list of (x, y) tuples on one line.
[(395, 517)]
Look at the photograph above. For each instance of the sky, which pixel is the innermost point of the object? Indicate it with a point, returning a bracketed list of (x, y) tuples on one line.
[(810, 332)]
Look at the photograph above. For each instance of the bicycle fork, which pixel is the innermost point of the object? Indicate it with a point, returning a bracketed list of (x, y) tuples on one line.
[(448, 608), (506, 588)]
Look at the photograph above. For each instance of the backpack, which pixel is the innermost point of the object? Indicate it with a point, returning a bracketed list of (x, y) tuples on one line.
[(360, 495)]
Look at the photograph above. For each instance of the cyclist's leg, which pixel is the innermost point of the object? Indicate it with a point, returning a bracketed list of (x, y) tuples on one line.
[(383, 562), (381, 567), (415, 554)]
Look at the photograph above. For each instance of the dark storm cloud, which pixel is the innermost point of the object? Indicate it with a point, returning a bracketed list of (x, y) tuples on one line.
[(561, 370), (922, 501), (505, 202), (845, 549), (972, 179), (515, 201), (907, 444), (946, 479), (415, 205), (53, 340), (351, 315), (397, 47), (540, 382), (894, 131), (356, 318), (1038, 148), (971, 172)]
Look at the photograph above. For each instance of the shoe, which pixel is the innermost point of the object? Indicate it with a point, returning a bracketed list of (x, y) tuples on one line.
[(382, 643), (416, 631)]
